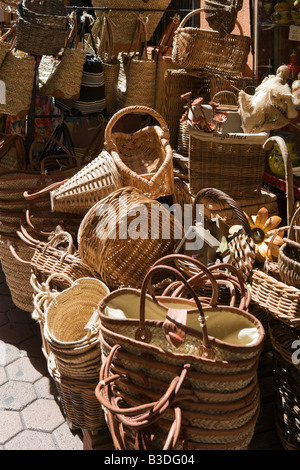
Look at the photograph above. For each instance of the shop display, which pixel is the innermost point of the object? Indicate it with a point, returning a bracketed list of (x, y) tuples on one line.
[(134, 148)]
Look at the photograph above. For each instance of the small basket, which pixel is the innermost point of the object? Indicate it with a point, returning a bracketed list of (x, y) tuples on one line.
[(210, 51), (93, 182), (106, 243), (41, 38), (289, 257), (144, 159)]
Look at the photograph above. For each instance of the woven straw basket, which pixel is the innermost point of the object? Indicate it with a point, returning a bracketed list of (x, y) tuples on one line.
[(155, 355), (211, 51), (107, 242), (127, 12), (144, 159), (71, 329), (93, 182), (288, 259)]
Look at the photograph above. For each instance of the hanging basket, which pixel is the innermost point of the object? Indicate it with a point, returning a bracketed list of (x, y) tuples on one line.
[(210, 51), (143, 159)]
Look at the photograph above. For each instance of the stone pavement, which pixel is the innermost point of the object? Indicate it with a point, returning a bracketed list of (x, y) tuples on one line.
[(31, 417)]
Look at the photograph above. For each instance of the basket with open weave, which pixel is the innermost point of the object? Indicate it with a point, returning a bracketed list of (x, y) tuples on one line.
[(143, 159), (289, 257)]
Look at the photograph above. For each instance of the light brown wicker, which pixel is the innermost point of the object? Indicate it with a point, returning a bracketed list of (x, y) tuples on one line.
[(93, 182), (71, 328), (81, 407), (127, 12), (143, 159), (4, 44), (288, 259), (195, 48), (122, 235)]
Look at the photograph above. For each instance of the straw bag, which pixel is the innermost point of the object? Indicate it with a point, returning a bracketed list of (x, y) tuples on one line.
[(219, 157), (92, 183), (164, 361), (125, 20), (17, 92), (143, 159), (210, 51), (120, 246), (61, 76), (288, 259), (42, 28), (103, 33), (71, 328), (5, 45), (136, 86)]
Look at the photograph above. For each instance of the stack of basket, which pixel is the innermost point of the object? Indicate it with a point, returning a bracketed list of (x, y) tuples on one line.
[(210, 62)]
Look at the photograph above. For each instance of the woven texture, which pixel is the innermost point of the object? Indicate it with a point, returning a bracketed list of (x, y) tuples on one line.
[(289, 257), (105, 241), (124, 21), (71, 329), (143, 159), (93, 182), (195, 48), (42, 35)]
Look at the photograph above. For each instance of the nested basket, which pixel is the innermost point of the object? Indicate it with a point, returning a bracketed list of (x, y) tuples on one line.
[(196, 48), (42, 35), (93, 182), (71, 328), (80, 405), (289, 257), (143, 159), (218, 158), (122, 235)]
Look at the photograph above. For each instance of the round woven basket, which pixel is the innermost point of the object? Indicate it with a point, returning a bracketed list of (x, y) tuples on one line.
[(289, 257)]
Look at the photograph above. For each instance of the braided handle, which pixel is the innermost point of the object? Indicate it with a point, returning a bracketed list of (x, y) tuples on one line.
[(199, 10), (221, 196)]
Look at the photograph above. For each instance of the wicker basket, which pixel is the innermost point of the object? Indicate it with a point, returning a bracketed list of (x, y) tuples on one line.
[(218, 158), (106, 243), (288, 259), (93, 182), (287, 399), (285, 340), (125, 14), (80, 405), (71, 328), (144, 159), (195, 48), (46, 37), (279, 300)]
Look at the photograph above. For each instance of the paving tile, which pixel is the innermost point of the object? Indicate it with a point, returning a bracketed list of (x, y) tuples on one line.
[(27, 369), (8, 353), (11, 424), (16, 395), (16, 315), (3, 318), (66, 439), (3, 376), (43, 415), (6, 303), (15, 333), (32, 347), (45, 388), (31, 440)]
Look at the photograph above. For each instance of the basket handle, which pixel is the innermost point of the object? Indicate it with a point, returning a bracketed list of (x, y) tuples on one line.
[(57, 237), (202, 269), (221, 196), (290, 240), (133, 110), (200, 10), (57, 276), (32, 164), (42, 192), (225, 91), (15, 254), (176, 337), (166, 38), (141, 416)]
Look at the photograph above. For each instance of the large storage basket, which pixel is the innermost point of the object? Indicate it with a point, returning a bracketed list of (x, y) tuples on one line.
[(107, 244), (217, 159), (195, 48), (143, 159), (125, 13)]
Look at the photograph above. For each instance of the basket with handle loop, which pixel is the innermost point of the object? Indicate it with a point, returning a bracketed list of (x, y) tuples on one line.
[(288, 259), (208, 50), (151, 343), (143, 159)]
